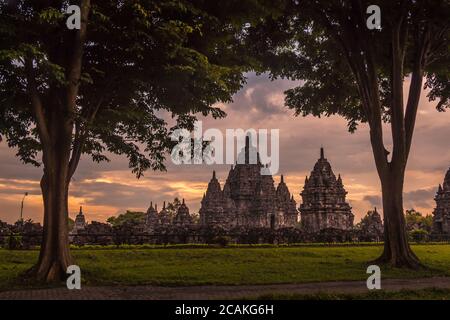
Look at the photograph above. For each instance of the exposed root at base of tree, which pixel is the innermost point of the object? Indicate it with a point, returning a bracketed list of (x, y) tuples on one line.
[(405, 262), (54, 274)]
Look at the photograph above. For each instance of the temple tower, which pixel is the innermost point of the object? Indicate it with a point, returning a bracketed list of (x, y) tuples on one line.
[(286, 206), (152, 220), (249, 198), (182, 218), (441, 214), (164, 217), (212, 205), (324, 205), (80, 221)]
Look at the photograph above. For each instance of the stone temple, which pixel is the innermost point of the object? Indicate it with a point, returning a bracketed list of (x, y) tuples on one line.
[(441, 214), (80, 222), (324, 205), (248, 198), (155, 219)]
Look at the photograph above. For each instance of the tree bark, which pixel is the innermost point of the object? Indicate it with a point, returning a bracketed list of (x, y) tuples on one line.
[(54, 256), (397, 251)]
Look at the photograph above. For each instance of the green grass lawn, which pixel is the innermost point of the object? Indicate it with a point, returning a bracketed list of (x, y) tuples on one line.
[(241, 265)]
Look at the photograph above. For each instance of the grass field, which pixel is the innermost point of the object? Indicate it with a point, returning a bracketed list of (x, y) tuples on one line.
[(207, 265)]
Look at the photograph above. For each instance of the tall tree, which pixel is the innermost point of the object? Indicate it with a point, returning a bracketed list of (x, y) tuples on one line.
[(359, 73), (102, 88)]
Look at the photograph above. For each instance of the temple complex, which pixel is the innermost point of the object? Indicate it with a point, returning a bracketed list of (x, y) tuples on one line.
[(155, 219), (324, 205), (248, 198), (441, 214)]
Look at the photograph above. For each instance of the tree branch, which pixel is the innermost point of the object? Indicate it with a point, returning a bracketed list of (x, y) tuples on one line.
[(397, 113), (36, 104), (80, 139), (74, 68), (415, 87), (350, 41)]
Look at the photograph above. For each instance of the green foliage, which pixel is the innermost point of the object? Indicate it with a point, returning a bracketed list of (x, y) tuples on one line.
[(416, 221), (143, 62), (172, 207), (418, 235), (132, 217), (13, 242), (326, 46)]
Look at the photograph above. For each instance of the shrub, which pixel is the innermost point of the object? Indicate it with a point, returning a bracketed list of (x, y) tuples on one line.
[(14, 242), (222, 241), (418, 235)]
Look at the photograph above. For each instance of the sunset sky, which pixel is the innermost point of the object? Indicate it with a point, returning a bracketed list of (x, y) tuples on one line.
[(108, 189)]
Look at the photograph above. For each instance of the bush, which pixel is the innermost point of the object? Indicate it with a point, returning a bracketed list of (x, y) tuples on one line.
[(222, 241), (418, 235), (14, 242)]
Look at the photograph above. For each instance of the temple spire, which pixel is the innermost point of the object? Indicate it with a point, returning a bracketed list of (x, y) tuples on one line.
[(282, 179), (214, 174), (247, 150), (322, 153)]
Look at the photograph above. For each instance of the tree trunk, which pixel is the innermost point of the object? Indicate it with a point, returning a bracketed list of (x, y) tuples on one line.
[(55, 256), (397, 251)]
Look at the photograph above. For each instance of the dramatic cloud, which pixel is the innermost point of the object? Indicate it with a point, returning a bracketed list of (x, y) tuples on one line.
[(107, 189), (375, 201), (421, 198)]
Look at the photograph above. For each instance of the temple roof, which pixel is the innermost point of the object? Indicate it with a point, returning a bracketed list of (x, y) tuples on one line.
[(249, 154), (322, 174), (443, 191), (447, 181), (213, 185)]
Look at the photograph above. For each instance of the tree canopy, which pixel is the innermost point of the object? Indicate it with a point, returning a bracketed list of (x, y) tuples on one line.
[(342, 63), (105, 87), (140, 59), (133, 217), (348, 69)]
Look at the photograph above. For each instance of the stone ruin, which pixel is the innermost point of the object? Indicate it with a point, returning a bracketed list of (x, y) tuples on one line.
[(80, 222), (441, 214), (323, 196), (248, 198), (155, 220)]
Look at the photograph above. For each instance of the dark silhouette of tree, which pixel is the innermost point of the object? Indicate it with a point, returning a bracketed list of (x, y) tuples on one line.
[(129, 216), (102, 89), (347, 69)]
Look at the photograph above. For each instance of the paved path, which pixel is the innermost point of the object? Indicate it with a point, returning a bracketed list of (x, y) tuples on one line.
[(218, 292)]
